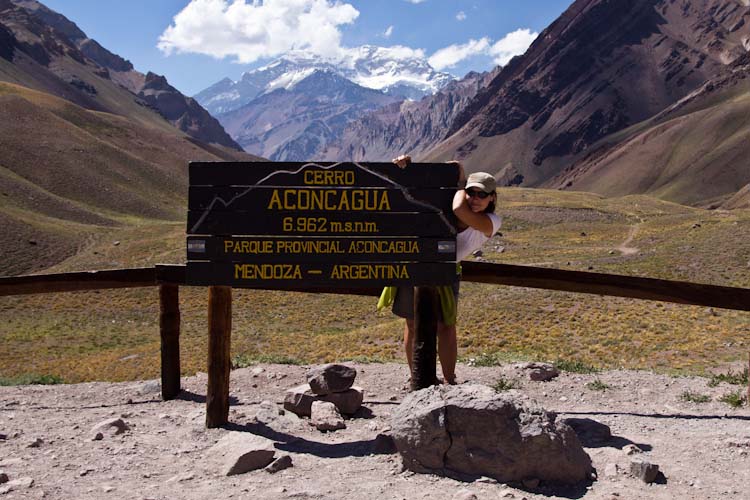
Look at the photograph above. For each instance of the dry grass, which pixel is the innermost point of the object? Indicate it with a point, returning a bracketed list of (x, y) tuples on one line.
[(113, 335)]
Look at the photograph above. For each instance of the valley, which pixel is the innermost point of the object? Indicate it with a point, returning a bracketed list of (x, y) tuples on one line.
[(113, 335)]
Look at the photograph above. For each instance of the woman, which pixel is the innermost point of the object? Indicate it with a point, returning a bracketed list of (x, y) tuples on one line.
[(474, 206)]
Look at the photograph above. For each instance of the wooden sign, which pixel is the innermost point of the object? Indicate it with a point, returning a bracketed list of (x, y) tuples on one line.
[(313, 275), (291, 225), (279, 249), (417, 175)]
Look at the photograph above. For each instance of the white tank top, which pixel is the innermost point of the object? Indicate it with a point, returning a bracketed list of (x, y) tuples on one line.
[(469, 240)]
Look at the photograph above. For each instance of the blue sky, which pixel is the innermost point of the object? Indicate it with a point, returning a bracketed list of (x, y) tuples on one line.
[(195, 43)]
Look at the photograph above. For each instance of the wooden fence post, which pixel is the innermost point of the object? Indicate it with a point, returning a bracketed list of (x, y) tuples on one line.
[(169, 329), (425, 337), (219, 363)]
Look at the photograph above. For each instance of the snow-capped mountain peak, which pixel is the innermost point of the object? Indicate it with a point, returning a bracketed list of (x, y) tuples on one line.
[(398, 71)]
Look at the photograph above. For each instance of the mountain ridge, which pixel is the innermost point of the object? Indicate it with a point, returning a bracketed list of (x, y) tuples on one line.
[(62, 51), (368, 66), (599, 68), (297, 124)]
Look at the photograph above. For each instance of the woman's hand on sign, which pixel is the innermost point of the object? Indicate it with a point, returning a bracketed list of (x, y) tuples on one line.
[(402, 161), (461, 173)]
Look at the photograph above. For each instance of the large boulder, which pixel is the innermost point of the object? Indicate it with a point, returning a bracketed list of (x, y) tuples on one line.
[(471, 430), (325, 379)]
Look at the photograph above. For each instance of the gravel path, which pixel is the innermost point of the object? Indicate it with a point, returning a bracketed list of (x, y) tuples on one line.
[(703, 449)]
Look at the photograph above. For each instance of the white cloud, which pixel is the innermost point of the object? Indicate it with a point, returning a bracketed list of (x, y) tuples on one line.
[(512, 44), (416, 1), (461, 16), (453, 54), (257, 30), (388, 32), (502, 51)]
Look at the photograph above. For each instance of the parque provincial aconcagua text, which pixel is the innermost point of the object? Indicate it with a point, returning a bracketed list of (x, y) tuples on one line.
[(320, 247)]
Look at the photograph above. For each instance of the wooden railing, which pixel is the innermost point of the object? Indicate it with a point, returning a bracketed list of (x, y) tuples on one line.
[(170, 277)]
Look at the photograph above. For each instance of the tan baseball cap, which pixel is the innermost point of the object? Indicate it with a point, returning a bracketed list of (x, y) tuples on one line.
[(483, 181)]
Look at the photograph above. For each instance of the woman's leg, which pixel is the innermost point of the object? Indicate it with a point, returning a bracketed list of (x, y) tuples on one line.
[(447, 351), (409, 342)]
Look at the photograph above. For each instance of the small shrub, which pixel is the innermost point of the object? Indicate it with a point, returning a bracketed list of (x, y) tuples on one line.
[(367, 360), (31, 379), (244, 360), (733, 399), (575, 366), (730, 378), (694, 397), (485, 359), (598, 385), (502, 384)]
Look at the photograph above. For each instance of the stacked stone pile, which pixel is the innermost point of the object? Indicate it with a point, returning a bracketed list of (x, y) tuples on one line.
[(328, 394)]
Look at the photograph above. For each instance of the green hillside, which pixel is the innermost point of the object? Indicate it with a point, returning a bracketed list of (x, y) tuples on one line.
[(113, 335), (67, 173)]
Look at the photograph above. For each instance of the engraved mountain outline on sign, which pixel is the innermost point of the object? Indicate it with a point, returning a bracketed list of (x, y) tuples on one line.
[(375, 178)]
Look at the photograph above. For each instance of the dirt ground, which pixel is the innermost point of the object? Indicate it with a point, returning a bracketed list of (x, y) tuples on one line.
[(703, 449)]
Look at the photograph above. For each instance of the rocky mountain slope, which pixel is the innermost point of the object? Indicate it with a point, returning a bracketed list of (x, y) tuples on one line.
[(601, 67), (80, 150), (298, 123), (694, 152), (48, 52), (407, 126)]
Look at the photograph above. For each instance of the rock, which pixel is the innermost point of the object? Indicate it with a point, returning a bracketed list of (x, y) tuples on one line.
[(299, 400), (631, 449), (240, 452), (4, 477), (611, 470), (645, 471), (17, 484), (3, 437), (589, 431), (107, 489), (325, 379), (113, 427), (539, 372), (471, 430), (486, 480), (465, 495), (281, 463), (326, 417), (97, 436), (150, 387), (256, 371), (36, 443), (179, 478), (383, 445), (477, 253)]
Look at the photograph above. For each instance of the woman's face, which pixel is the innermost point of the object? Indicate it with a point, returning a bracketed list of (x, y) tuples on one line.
[(476, 203)]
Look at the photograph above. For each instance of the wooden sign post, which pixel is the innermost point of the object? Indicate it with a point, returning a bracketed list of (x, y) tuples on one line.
[(296, 226)]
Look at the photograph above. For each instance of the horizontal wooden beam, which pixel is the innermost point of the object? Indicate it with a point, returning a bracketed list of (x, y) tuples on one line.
[(76, 282), (680, 292)]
